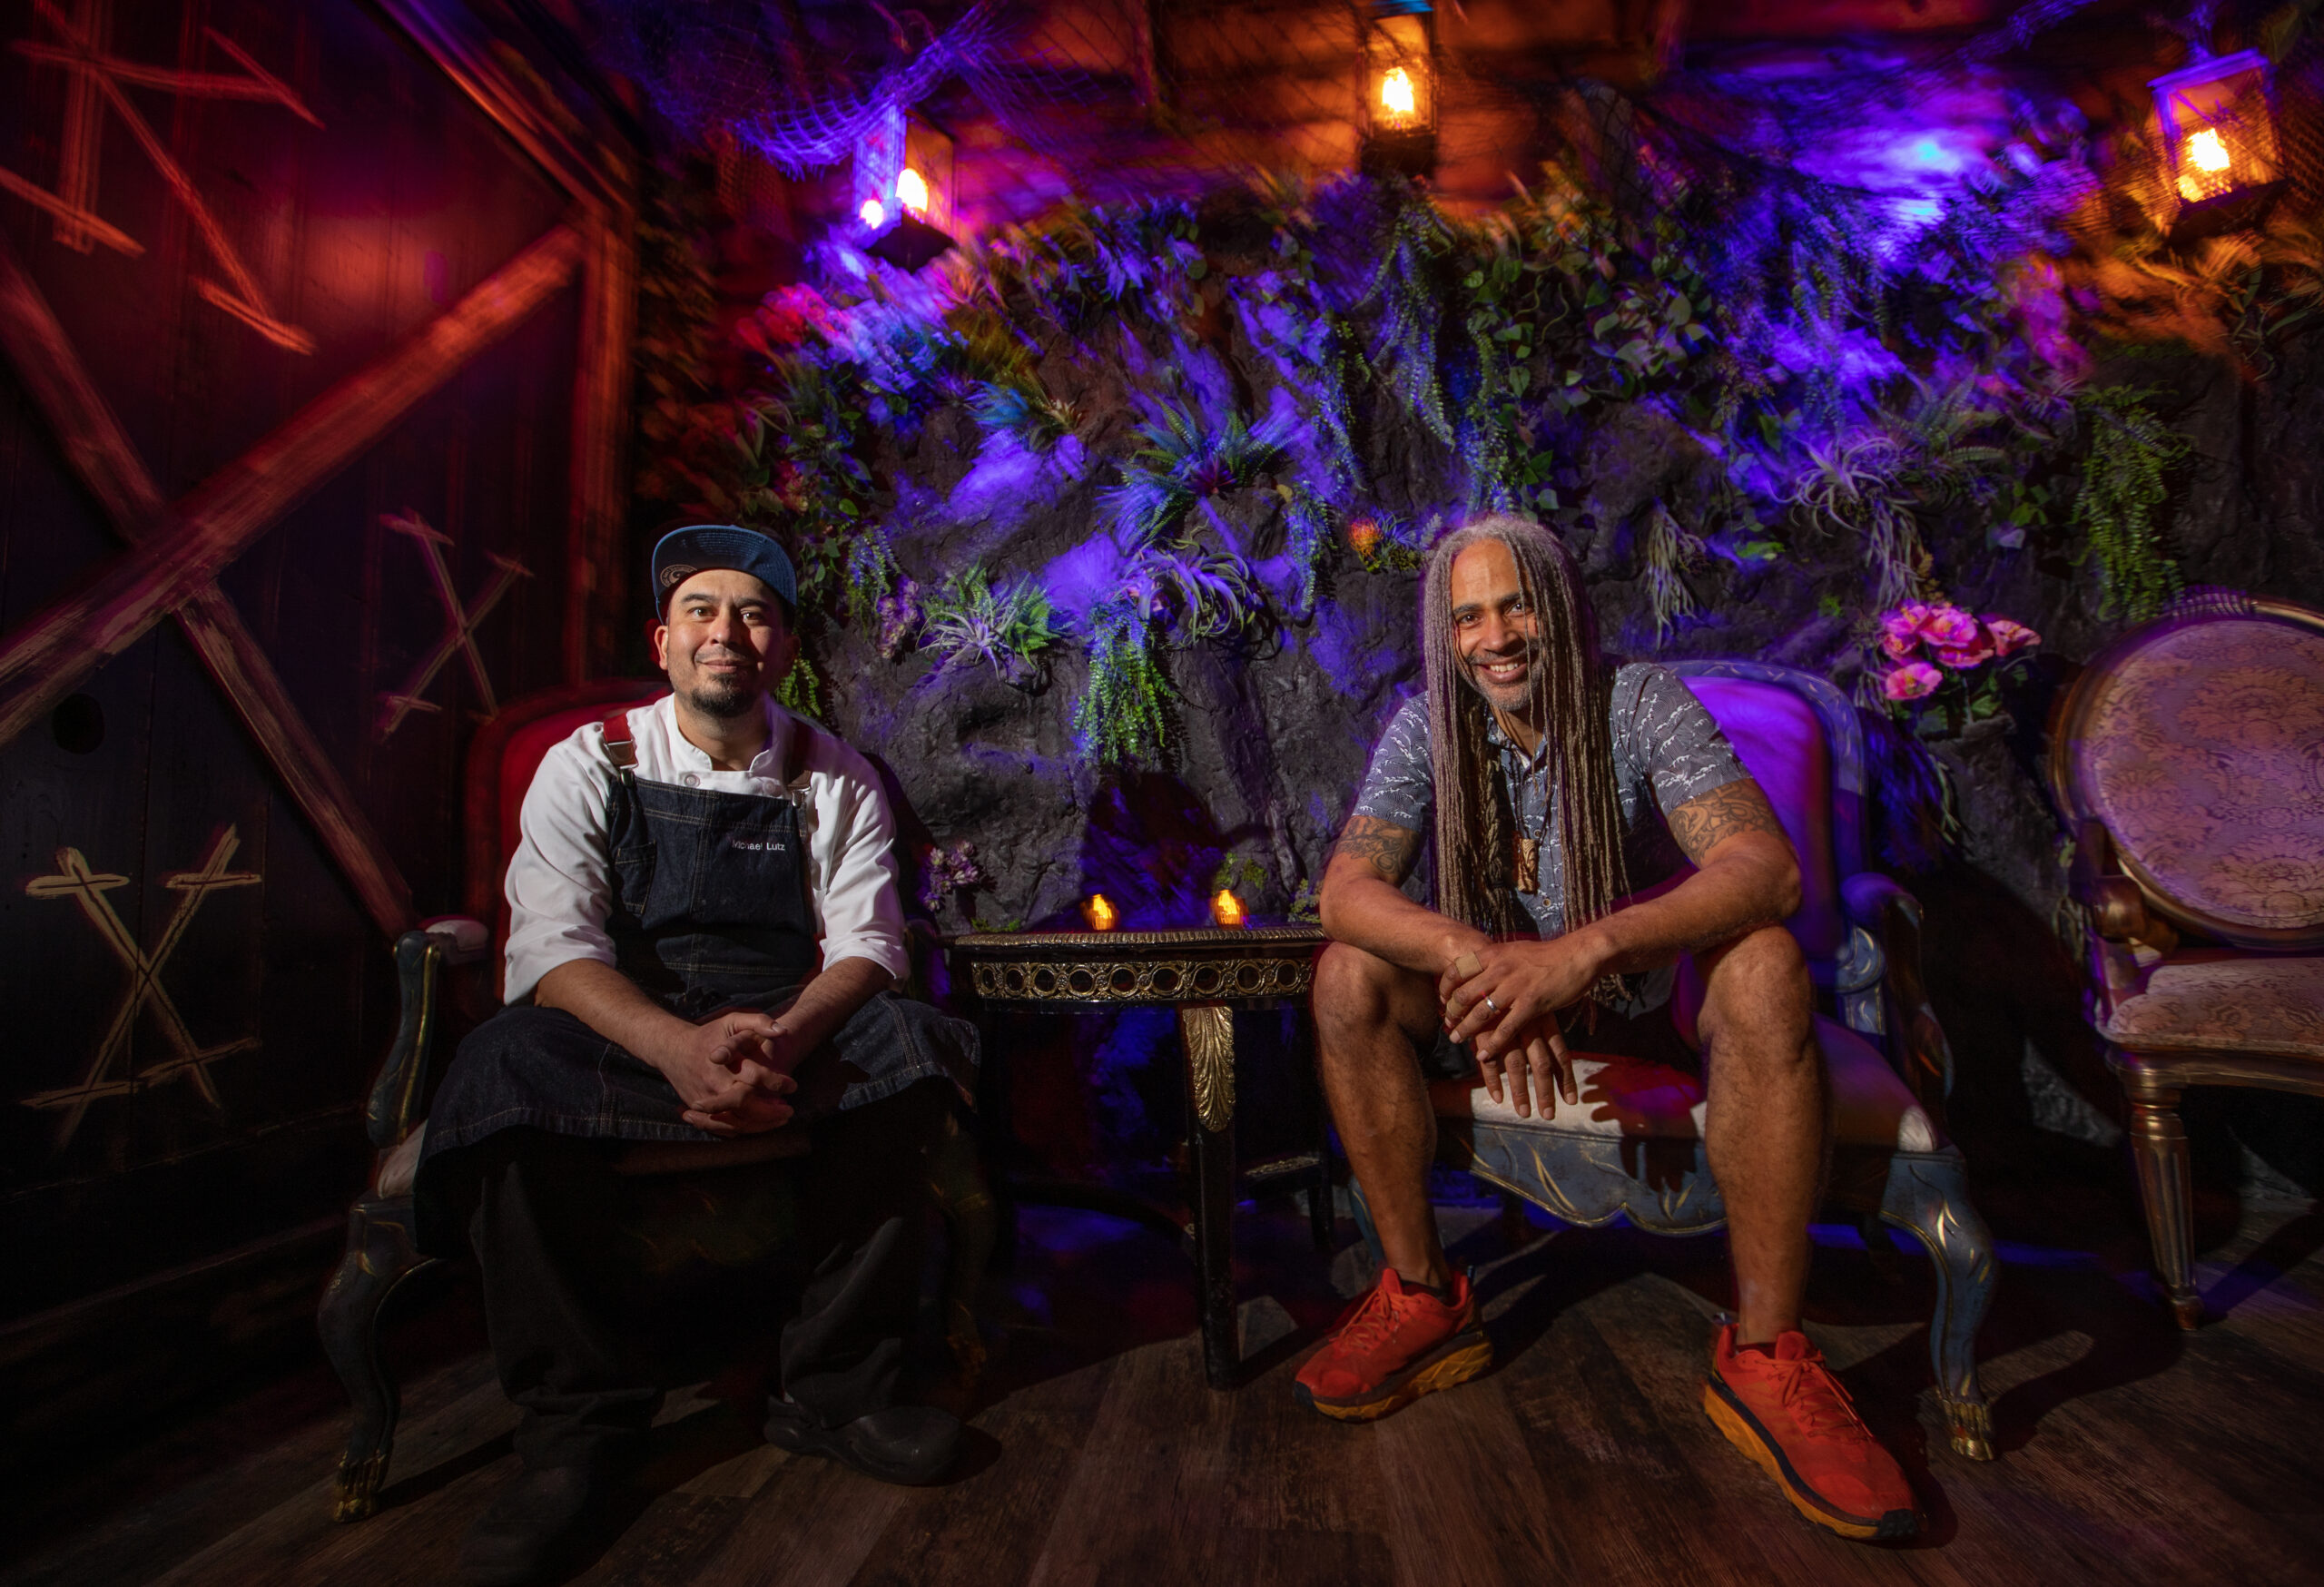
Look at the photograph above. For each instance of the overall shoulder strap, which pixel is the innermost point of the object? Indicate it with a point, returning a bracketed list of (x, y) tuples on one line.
[(619, 747)]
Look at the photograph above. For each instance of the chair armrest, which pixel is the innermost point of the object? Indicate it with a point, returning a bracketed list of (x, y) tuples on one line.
[(464, 941), (2117, 909), (1916, 1047), (420, 959)]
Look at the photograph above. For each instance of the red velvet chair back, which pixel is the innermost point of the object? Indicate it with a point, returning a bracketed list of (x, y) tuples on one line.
[(506, 752)]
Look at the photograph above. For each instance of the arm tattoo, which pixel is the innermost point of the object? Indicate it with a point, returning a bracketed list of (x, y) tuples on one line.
[(1708, 820), (1386, 847)]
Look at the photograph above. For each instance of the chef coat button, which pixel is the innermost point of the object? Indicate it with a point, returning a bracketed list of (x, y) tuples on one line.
[(691, 780)]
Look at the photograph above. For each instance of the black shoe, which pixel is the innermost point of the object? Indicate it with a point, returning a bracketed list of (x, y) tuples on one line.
[(533, 1527), (909, 1444)]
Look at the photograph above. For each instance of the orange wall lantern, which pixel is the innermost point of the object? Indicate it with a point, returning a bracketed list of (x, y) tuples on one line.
[(903, 173), (2220, 156), (1400, 87)]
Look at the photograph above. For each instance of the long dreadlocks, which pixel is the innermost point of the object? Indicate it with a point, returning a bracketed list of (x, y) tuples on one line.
[(1476, 828)]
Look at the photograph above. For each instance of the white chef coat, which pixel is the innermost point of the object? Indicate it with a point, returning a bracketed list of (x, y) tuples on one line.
[(561, 882)]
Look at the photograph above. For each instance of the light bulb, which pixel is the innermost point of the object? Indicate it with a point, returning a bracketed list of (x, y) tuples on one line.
[(873, 212), (2206, 152), (911, 191), (1396, 91)]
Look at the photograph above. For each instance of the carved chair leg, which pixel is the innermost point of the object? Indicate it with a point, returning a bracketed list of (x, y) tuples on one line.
[(1927, 1196), (956, 1178), (2159, 1148), (380, 1257)]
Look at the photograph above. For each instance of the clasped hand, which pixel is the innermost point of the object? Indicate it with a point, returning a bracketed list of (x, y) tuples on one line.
[(733, 1071), (1503, 998)]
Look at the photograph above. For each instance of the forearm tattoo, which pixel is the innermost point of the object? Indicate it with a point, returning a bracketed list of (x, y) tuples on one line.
[(1386, 847), (1708, 820)]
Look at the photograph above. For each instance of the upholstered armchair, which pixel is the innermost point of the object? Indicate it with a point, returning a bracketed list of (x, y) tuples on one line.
[(1634, 1147), (2189, 762), (380, 1254)]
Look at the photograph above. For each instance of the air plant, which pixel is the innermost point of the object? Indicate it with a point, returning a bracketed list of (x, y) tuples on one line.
[(1853, 485), (1009, 629), (1038, 420), (1669, 551), (1198, 592), (1180, 463)]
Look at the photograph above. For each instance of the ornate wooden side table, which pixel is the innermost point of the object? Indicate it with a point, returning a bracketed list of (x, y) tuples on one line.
[(1206, 975)]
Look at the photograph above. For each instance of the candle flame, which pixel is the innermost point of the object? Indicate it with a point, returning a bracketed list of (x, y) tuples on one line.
[(1397, 93), (1100, 914), (911, 191), (2205, 150), (1227, 909)]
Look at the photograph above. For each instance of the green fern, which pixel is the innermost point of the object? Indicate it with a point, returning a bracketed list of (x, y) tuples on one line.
[(2124, 484), (801, 691), (1409, 289), (1125, 715)]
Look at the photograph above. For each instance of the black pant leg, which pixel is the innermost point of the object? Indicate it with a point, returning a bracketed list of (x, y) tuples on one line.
[(560, 1338), (864, 1194)]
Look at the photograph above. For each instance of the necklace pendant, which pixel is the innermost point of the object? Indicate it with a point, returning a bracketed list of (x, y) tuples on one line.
[(1528, 866)]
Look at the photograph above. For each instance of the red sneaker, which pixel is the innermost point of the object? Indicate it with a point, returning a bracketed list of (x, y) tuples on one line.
[(1391, 1347), (1790, 1414)]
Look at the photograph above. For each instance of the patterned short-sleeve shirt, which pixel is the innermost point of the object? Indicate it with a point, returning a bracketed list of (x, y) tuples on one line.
[(1664, 742)]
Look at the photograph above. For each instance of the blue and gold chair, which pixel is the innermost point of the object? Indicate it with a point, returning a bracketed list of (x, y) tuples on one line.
[(1634, 1148)]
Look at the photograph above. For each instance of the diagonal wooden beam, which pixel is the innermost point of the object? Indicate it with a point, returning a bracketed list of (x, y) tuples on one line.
[(597, 500), (100, 456), (111, 608)]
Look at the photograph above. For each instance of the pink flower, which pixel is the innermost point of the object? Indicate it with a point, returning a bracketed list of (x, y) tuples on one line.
[(1900, 630), (1976, 653), (2010, 636), (1948, 627), (1912, 681)]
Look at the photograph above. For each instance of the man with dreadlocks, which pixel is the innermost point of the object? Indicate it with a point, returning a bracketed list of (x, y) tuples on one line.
[(1568, 798)]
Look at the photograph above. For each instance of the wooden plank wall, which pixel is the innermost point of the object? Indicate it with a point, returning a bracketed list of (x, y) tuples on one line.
[(314, 327)]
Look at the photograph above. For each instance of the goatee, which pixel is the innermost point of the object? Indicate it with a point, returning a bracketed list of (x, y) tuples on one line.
[(724, 701)]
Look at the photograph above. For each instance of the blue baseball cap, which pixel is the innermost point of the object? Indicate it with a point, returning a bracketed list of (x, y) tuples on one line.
[(681, 554)]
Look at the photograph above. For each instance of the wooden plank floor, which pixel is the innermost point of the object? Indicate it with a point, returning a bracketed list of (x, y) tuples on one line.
[(2129, 1454)]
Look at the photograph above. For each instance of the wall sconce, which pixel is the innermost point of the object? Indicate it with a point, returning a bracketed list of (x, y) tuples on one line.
[(904, 192), (2219, 154), (1400, 88)]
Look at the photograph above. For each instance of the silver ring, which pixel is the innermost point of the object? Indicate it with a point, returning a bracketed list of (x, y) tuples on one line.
[(1496, 1008)]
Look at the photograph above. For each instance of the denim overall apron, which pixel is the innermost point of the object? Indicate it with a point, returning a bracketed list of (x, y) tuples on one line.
[(710, 913)]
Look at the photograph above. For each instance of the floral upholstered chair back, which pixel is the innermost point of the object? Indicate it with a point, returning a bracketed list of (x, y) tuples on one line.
[(2189, 761), (2199, 743)]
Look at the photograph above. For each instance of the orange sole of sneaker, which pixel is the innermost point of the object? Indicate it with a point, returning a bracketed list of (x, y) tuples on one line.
[(1448, 1371), (1748, 1437)]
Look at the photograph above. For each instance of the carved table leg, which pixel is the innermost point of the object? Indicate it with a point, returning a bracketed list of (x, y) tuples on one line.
[(1927, 1196), (2159, 1148), (380, 1257), (1208, 1031), (956, 1178)]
